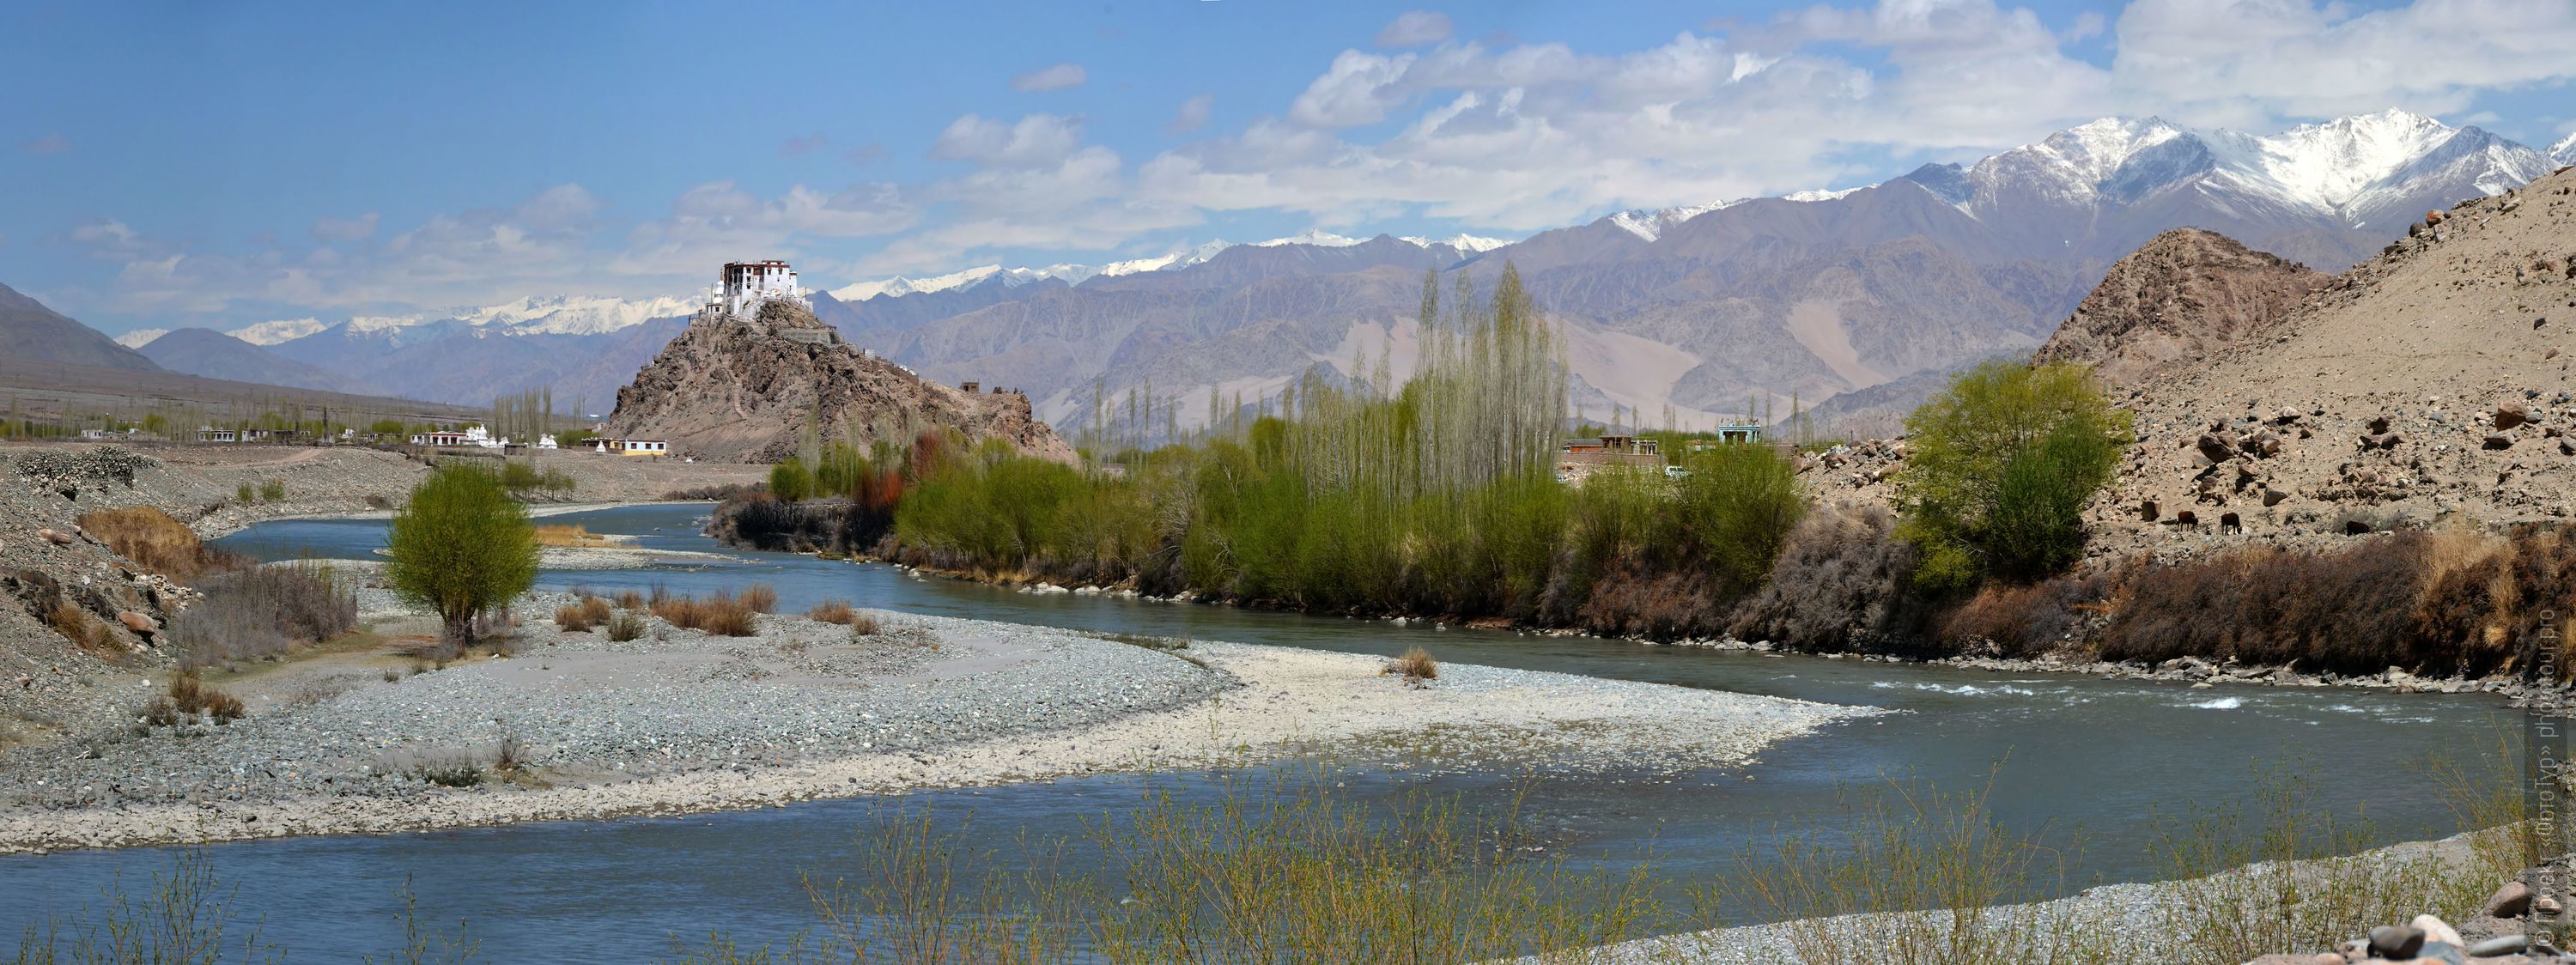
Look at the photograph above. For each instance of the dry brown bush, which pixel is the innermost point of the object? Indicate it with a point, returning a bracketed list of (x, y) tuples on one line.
[(626, 626), (156, 542), (190, 695), (760, 598), (2026, 621), (84, 631), (569, 535), (722, 614), (833, 611), (864, 625), (1843, 581), (571, 619), (263, 611), (1416, 664), (629, 599)]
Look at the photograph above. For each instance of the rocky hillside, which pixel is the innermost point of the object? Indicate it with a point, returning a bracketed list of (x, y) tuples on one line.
[(2428, 383), (2178, 298), (748, 389)]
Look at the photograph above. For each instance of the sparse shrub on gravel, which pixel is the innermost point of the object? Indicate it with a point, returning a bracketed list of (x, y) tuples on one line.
[(722, 614), (833, 611), (864, 625), (1416, 664), (246, 493), (375, 501), (570, 619), (156, 542), (272, 491), (83, 630), (263, 611), (761, 598), (189, 695), (626, 626), (629, 600)]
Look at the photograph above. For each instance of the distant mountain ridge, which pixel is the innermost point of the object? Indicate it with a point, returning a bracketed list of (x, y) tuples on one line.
[(31, 332), (211, 354), (1708, 310)]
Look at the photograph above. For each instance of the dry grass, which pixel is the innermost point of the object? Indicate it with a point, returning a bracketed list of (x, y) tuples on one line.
[(156, 542), (264, 611), (626, 626), (722, 614), (569, 536), (83, 630), (188, 697), (864, 625), (833, 611), (1415, 665), (630, 600), (760, 598), (581, 617)]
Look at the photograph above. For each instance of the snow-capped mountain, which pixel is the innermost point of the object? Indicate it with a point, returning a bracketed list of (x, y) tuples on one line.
[(2564, 152), (1072, 274), (140, 337), (534, 315)]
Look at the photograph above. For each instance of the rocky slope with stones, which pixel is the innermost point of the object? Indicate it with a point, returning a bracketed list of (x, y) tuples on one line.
[(750, 389), (2428, 383), (2176, 299)]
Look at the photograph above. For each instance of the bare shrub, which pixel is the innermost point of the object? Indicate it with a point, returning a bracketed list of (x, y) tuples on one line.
[(156, 542), (626, 626), (375, 501), (760, 597), (833, 611), (263, 611), (864, 625), (1841, 583), (721, 614), (2350, 610), (569, 535), (571, 619), (629, 600), (2026, 621), (190, 695), (1415, 665), (76, 625)]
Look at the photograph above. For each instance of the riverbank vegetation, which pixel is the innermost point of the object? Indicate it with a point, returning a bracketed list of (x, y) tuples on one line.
[(462, 546)]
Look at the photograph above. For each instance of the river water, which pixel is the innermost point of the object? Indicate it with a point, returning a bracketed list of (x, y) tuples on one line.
[(2099, 758)]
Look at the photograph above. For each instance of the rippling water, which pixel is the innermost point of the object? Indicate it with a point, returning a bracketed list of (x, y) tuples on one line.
[(2064, 752)]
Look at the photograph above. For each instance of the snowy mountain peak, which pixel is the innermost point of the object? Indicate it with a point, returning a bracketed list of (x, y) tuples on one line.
[(282, 330), (2329, 164), (1312, 236), (140, 337), (1650, 224), (1463, 242), (2564, 152), (2096, 150)]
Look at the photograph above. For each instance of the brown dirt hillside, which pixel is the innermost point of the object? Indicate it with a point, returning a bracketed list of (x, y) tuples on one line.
[(2428, 383), (747, 389), (2180, 296)]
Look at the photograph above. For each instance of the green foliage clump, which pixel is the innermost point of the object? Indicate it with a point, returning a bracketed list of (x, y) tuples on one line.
[(791, 481), (521, 477), (2002, 463), (462, 546), (272, 491)]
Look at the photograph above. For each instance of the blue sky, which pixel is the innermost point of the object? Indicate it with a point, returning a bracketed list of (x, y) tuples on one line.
[(220, 165)]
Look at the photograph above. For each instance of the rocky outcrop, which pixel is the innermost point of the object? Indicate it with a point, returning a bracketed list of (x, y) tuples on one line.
[(2174, 300), (748, 390)]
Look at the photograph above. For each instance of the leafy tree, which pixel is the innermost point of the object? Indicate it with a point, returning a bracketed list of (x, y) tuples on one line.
[(461, 547), (790, 480), (1739, 501), (2002, 463)]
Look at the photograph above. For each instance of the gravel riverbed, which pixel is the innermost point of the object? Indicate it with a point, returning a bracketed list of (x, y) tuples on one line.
[(573, 725)]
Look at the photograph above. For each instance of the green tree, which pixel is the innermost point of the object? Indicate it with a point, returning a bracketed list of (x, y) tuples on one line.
[(790, 480), (2002, 463), (1739, 501), (461, 547)]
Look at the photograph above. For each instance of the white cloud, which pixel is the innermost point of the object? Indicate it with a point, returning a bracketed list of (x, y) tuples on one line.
[(1037, 139), (1193, 114), (2247, 62), (359, 228), (1057, 77), (1415, 28)]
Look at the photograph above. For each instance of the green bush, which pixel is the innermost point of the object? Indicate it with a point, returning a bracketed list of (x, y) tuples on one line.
[(2002, 464), (246, 493), (791, 481), (273, 491), (460, 547)]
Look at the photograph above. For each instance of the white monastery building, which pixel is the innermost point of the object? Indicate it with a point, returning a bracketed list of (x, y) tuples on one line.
[(743, 285)]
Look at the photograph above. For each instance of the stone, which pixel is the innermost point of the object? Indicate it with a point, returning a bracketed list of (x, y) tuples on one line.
[(2147, 510), (2437, 930), (2546, 906), (2510, 414), (2498, 440), (2381, 440), (2216, 446), (2511, 901), (2500, 945), (2273, 497), (56, 537), (138, 622), (2433, 217), (2396, 941)]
